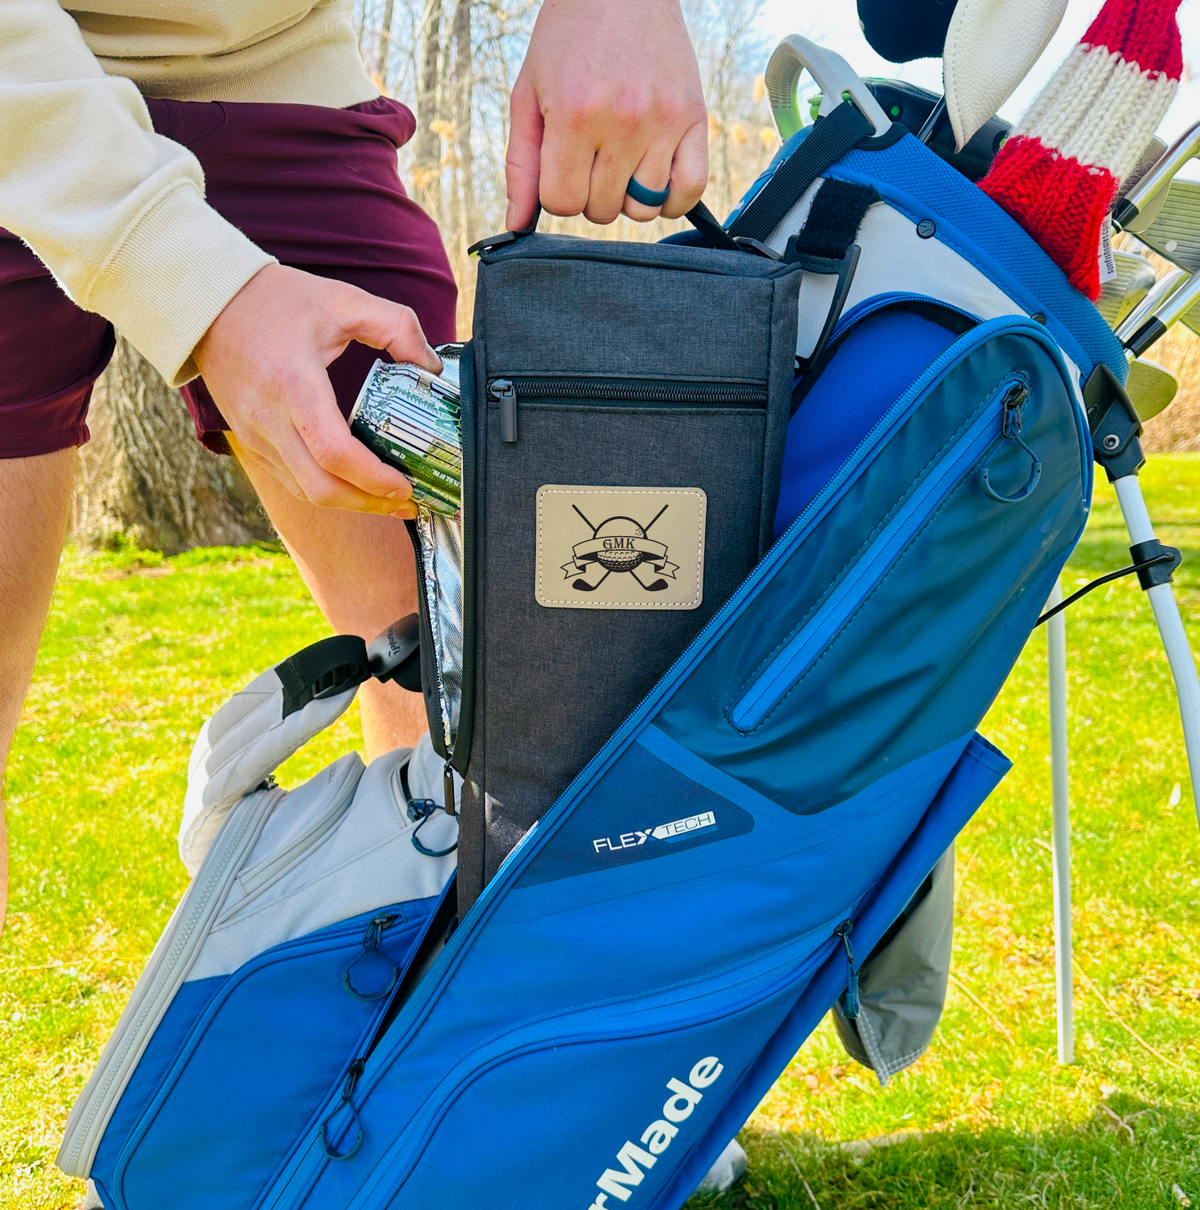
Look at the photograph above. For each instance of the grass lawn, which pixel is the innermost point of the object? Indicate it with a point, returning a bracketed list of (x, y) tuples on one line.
[(139, 650)]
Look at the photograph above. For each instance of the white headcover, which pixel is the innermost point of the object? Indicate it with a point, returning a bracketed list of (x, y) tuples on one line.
[(990, 47)]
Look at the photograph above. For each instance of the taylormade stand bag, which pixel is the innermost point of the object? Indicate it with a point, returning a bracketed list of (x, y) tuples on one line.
[(740, 579)]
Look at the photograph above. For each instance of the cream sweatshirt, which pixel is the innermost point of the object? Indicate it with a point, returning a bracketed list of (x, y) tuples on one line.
[(115, 211)]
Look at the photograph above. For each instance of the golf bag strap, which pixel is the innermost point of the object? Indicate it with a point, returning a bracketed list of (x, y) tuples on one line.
[(833, 222), (830, 139), (825, 246), (322, 670)]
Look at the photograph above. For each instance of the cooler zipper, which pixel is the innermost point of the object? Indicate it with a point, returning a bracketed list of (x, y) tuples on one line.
[(466, 705), (768, 689), (508, 392)]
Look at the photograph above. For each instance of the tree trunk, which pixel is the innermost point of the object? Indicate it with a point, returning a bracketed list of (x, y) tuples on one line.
[(383, 49), (464, 82), (428, 144), (145, 475)]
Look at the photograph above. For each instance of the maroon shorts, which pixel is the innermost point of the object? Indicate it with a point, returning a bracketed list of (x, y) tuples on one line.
[(317, 188)]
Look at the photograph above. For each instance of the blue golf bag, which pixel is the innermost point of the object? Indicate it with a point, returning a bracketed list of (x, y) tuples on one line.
[(690, 808)]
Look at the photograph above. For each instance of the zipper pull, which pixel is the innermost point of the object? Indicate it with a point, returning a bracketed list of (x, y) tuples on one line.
[(850, 995), (1012, 403), (374, 934), (505, 393), (352, 1078), (448, 789), (1011, 423), (371, 956)]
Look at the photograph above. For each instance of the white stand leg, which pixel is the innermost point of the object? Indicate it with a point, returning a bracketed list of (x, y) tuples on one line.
[(1064, 983), (1170, 626)]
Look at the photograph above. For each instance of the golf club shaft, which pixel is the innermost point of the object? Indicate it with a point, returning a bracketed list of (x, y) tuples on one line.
[(1169, 312), (1158, 178), (1163, 289)]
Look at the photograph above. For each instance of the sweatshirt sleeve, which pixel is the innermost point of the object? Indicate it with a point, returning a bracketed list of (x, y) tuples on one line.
[(114, 210)]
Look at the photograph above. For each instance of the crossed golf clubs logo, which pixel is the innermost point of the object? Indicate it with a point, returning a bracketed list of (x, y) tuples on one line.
[(619, 545)]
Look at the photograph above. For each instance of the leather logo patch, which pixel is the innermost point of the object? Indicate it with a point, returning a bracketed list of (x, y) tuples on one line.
[(620, 547)]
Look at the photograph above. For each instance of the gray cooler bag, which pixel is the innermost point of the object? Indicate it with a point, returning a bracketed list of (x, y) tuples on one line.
[(622, 468)]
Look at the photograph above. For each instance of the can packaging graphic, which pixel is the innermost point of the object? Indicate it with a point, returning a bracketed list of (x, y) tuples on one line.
[(411, 419)]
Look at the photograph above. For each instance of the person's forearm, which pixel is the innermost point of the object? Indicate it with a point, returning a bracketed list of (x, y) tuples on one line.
[(116, 212)]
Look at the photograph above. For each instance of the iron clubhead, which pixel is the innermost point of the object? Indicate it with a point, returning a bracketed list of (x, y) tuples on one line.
[(1135, 278), (1150, 388), (1175, 233), (1134, 210)]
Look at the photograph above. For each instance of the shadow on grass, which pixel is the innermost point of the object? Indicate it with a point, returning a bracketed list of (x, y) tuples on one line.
[(1131, 1155)]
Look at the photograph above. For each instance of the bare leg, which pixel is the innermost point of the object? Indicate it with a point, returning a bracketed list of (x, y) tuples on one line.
[(35, 505), (362, 575)]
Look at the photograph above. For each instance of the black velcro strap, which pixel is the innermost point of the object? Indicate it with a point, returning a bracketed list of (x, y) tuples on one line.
[(322, 670), (833, 222), (831, 138), (703, 219)]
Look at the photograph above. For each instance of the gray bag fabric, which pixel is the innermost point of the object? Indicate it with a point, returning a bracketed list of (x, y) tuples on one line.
[(902, 983), (624, 412)]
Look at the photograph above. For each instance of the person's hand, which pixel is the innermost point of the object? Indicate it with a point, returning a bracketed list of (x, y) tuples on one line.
[(609, 90), (264, 360)]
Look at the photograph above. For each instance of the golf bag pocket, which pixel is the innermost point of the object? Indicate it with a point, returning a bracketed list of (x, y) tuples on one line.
[(277, 966), (674, 962), (626, 408), (268, 1044)]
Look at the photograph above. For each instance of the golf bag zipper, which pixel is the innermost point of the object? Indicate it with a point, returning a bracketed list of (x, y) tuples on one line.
[(850, 995), (769, 688), (508, 392), (887, 301)]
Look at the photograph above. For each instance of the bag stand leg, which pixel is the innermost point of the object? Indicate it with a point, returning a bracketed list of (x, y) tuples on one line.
[(1060, 803), (1187, 690), (1170, 627)]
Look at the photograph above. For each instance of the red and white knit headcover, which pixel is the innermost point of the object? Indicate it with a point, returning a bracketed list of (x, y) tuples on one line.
[(1059, 172)]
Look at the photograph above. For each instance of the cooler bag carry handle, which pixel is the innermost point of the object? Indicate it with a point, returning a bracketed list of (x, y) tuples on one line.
[(700, 216)]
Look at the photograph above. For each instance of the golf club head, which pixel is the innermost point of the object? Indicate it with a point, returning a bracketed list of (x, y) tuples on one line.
[(1175, 231), (1163, 289), (1150, 388), (991, 45), (1135, 278), (1154, 152), (1134, 205)]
